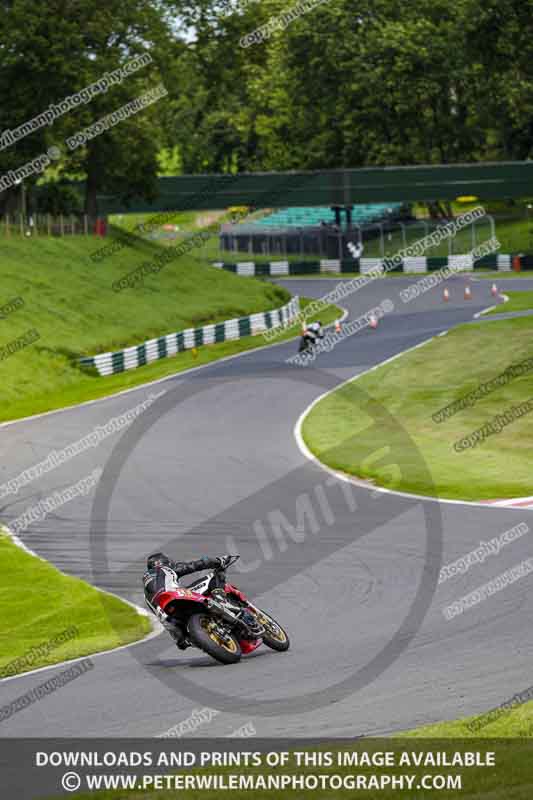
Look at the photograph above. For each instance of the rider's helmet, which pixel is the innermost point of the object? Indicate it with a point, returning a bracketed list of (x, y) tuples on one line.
[(157, 560)]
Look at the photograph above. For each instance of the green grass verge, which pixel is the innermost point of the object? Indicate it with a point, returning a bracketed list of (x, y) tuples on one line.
[(54, 602), (415, 386), (508, 775), (69, 300), (496, 723), (344, 275), (510, 779), (338, 276), (497, 275), (507, 735), (83, 386), (185, 219), (518, 301)]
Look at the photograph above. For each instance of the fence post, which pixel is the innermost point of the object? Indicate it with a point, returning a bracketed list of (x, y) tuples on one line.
[(8, 228), (48, 225), (85, 225), (492, 226), (404, 240), (360, 243), (61, 224)]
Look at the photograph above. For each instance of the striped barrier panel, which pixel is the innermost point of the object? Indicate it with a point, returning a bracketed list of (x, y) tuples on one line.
[(279, 267), (364, 265), (504, 263), (415, 264), (421, 264), (246, 268), (367, 265), (172, 343), (330, 265)]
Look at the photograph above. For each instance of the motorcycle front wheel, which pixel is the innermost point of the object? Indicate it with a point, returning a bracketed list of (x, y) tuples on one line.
[(274, 636), (207, 634)]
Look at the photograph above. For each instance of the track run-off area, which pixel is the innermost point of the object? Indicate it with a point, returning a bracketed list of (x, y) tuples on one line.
[(213, 466)]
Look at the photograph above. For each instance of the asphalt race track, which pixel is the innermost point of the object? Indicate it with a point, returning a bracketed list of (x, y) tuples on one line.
[(212, 466)]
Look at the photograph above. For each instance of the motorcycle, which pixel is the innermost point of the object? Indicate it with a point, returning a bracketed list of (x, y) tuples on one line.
[(222, 623), (306, 343), (309, 339)]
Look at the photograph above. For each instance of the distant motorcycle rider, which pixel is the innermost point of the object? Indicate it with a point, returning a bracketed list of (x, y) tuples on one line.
[(164, 574), (312, 332)]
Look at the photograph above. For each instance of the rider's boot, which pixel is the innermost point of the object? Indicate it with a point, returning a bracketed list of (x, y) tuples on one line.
[(176, 634)]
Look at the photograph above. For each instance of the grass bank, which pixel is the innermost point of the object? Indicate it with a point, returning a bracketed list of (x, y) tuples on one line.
[(52, 287), (496, 723), (64, 618), (499, 769), (63, 383), (413, 389), (504, 732), (89, 387), (518, 301)]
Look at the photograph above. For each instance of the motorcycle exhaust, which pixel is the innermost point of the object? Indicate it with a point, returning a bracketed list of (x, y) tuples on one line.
[(222, 612), (232, 619)]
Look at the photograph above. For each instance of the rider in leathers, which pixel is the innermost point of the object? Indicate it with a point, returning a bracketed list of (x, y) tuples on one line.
[(162, 573)]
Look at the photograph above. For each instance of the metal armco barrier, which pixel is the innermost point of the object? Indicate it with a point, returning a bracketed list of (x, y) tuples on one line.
[(363, 265), (172, 343)]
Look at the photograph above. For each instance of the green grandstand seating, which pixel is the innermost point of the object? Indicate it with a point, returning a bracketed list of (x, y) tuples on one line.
[(312, 216)]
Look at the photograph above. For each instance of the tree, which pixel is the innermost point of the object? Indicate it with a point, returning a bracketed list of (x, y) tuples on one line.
[(48, 57)]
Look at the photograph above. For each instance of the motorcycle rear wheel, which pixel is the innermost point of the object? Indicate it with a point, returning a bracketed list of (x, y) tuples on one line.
[(203, 632)]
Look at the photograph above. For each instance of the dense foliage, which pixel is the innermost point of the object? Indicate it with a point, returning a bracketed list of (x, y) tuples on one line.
[(372, 83)]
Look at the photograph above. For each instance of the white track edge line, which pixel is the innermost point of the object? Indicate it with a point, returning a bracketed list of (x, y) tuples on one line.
[(297, 433), (141, 386), (156, 628), (484, 311)]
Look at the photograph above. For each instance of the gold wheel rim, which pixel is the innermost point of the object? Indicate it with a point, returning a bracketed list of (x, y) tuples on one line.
[(272, 627), (209, 627)]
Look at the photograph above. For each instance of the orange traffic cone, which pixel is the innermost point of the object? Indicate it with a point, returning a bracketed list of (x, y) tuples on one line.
[(337, 326), (446, 295), (373, 322), (468, 293), (494, 290)]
